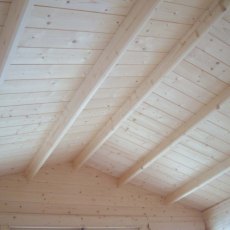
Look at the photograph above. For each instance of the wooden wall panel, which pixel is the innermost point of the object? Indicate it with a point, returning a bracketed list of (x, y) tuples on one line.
[(89, 199)]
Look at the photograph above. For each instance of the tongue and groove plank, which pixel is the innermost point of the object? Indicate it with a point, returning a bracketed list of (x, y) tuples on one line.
[(186, 44), (13, 28), (173, 138), (200, 181), (134, 22)]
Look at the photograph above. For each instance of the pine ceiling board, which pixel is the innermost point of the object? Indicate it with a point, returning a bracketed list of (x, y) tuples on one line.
[(90, 120), (209, 64), (188, 88), (220, 119), (212, 198), (139, 46), (61, 154), (167, 177), (73, 137), (176, 13), (178, 97), (195, 3), (110, 160), (113, 92), (17, 130), (105, 167), (127, 146), (196, 202), (122, 82), (63, 39), (221, 30), (98, 112), (134, 137), (153, 185), (45, 85), (17, 159), (168, 106), (216, 130), (72, 140), (216, 48), (15, 167), (177, 166), (71, 145), (191, 152), (162, 117), (132, 70), (141, 58), (203, 148), (227, 17), (28, 119), (9, 151), (150, 123), (209, 140), (54, 18), (187, 161), (34, 98), (123, 151), (222, 183), (200, 77), (152, 44), (52, 56), (77, 130), (164, 29), (39, 72), (104, 103), (23, 137), (23, 72), (118, 7), (146, 133), (24, 110), (167, 173), (210, 192), (4, 7), (225, 108)]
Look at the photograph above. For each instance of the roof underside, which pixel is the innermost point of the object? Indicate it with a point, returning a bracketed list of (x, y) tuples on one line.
[(61, 43)]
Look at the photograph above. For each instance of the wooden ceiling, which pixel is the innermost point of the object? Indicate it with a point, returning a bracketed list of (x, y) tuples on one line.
[(137, 89)]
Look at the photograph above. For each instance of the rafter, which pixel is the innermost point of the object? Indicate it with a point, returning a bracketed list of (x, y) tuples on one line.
[(199, 182), (133, 23), (11, 33), (186, 44), (173, 138)]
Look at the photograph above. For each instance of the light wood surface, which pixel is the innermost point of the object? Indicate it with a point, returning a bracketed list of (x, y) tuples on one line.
[(186, 44), (15, 23), (60, 44), (109, 58), (74, 205)]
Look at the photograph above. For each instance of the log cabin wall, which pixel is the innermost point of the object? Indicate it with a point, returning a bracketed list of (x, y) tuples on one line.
[(62, 197)]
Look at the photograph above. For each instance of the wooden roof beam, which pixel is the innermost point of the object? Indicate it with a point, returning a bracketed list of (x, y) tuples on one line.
[(173, 138), (132, 25), (11, 33), (186, 44), (199, 182)]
